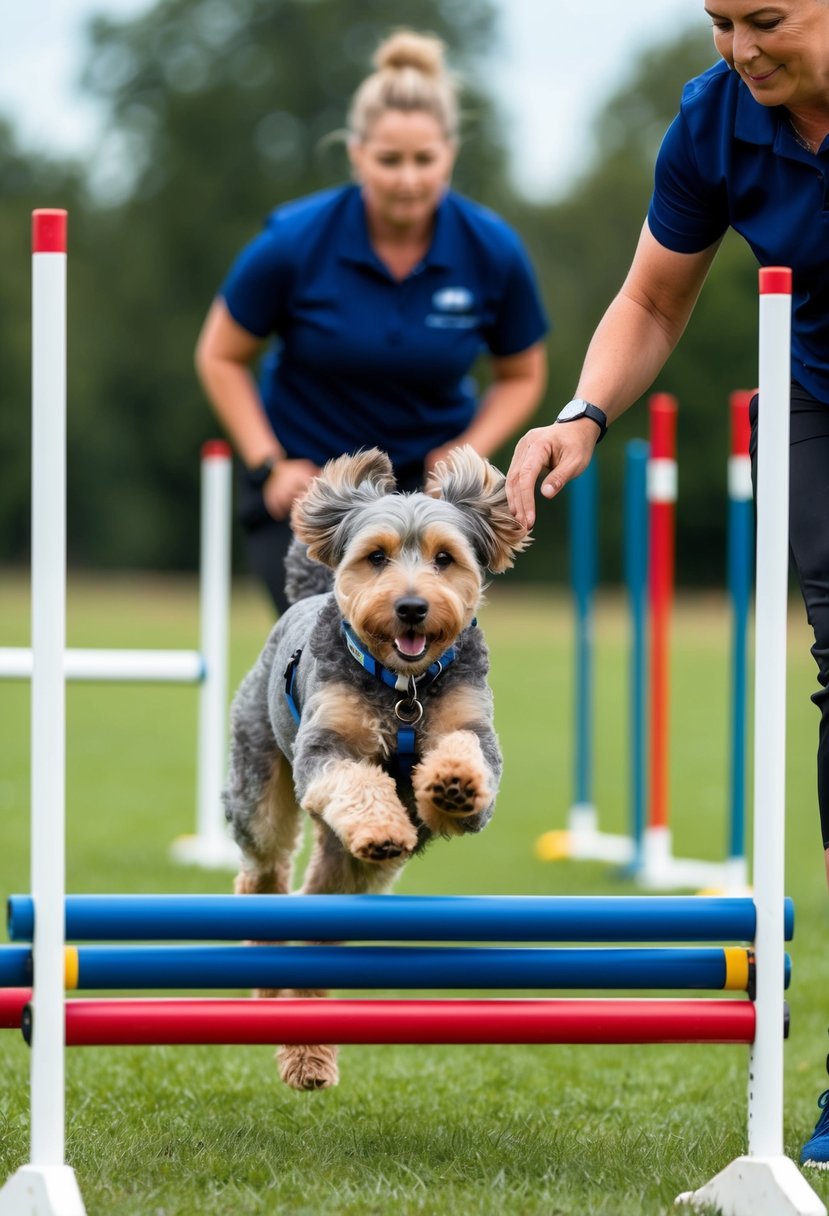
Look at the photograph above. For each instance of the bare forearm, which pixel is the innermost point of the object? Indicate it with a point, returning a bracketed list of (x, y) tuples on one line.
[(231, 390), (625, 355)]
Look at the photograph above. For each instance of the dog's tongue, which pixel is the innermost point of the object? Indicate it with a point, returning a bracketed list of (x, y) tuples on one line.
[(411, 645)]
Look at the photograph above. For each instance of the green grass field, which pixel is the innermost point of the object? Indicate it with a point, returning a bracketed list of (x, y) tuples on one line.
[(449, 1131)]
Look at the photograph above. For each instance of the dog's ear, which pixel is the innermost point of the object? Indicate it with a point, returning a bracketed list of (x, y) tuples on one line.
[(477, 488), (344, 483)]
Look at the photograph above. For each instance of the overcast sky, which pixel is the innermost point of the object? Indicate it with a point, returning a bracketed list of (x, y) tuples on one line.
[(557, 62)]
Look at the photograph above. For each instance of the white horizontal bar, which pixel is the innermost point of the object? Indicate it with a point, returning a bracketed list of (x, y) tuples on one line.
[(135, 666)]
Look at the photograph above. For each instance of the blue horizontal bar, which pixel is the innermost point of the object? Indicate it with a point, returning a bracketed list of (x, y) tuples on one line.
[(650, 918), (15, 966), (395, 967)]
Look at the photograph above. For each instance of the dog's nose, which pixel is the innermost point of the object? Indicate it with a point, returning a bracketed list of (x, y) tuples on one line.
[(411, 609)]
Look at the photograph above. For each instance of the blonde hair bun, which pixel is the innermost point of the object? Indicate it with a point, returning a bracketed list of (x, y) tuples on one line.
[(408, 49), (410, 74)]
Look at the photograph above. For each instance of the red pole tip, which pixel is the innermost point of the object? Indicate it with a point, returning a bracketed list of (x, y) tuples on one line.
[(215, 449), (740, 425), (49, 230), (775, 281), (663, 411)]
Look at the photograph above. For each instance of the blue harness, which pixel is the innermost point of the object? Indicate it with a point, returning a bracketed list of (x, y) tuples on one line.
[(408, 709)]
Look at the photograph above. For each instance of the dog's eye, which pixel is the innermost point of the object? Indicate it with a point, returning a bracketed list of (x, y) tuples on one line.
[(377, 559), (443, 559)]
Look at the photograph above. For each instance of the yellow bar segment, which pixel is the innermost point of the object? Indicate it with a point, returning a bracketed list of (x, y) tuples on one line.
[(70, 966), (736, 968)]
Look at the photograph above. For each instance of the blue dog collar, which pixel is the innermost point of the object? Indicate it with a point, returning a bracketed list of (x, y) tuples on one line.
[(406, 735), (391, 678)]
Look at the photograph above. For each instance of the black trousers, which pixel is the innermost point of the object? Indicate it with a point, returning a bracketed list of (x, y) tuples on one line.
[(809, 541), (267, 540)]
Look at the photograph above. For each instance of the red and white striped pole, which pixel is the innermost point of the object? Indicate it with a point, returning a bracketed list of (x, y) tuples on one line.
[(47, 1185), (662, 492)]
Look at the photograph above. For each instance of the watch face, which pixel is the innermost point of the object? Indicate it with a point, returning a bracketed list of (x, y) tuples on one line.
[(573, 409)]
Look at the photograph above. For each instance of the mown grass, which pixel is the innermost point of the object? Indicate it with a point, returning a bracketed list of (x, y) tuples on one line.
[(559, 1130)]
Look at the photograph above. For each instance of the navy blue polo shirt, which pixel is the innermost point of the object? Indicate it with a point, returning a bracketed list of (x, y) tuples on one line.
[(727, 161), (361, 358)]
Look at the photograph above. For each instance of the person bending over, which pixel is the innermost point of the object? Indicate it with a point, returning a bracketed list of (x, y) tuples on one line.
[(748, 150)]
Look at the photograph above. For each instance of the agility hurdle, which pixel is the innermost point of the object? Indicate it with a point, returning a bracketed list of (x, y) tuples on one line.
[(764, 1182)]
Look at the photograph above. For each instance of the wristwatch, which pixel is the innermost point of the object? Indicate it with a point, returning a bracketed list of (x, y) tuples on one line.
[(579, 408), (258, 475)]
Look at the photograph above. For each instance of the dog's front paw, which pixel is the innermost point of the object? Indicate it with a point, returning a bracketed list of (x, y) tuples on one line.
[(451, 785), (381, 841), (304, 1067), (359, 803)]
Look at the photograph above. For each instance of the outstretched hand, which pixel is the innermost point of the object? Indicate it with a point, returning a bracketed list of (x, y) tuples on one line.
[(562, 450)]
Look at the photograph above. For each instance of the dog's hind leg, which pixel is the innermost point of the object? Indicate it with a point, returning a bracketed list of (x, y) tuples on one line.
[(331, 871), (269, 834), (267, 824)]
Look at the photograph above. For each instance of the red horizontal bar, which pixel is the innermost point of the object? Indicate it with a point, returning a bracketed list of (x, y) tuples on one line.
[(246, 1020), (12, 1003)]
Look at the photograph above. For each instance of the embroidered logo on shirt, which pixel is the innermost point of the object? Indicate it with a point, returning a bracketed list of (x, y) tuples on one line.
[(452, 309)]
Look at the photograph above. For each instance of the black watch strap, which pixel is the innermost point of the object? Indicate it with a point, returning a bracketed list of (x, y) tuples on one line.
[(258, 475), (579, 408)]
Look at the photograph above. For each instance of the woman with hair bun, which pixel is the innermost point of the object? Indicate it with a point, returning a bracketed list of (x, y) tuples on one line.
[(375, 299)]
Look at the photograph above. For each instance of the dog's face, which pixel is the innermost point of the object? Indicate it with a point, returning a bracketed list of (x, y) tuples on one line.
[(409, 569)]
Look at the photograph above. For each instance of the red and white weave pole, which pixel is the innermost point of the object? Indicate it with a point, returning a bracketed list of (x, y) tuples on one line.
[(662, 492)]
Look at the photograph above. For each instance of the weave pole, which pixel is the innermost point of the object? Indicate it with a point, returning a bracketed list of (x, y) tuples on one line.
[(740, 569), (659, 869), (582, 839), (765, 1182), (47, 1185)]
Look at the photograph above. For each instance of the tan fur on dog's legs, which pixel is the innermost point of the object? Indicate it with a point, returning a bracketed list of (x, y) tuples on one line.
[(451, 782), (331, 871), (359, 803)]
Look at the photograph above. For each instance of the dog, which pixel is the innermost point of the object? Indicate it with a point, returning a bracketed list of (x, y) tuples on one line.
[(369, 706)]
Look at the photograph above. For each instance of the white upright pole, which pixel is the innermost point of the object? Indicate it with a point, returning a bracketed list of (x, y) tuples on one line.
[(47, 1185), (765, 1108), (211, 846), (767, 1183)]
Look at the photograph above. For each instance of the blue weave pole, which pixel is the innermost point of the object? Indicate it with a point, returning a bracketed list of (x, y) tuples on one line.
[(740, 574), (513, 918), (388, 967), (636, 582), (582, 493)]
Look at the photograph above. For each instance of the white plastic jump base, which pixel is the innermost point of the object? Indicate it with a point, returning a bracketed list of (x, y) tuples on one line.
[(588, 843), (661, 871), (210, 853), (581, 840), (757, 1186), (46, 1190)]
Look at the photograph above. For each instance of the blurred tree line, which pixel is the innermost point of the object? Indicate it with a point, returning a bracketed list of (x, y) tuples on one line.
[(218, 110)]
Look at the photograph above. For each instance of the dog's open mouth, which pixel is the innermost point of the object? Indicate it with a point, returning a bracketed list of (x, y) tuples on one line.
[(411, 645)]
